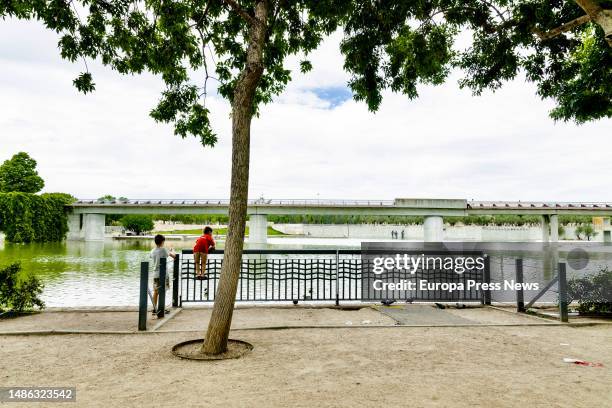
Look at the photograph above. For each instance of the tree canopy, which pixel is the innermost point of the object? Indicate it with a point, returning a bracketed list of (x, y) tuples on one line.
[(396, 45), (109, 198), (387, 44), (137, 223), (18, 174)]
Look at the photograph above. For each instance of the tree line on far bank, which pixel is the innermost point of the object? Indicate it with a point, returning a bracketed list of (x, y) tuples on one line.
[(143, 223), (498, 220)]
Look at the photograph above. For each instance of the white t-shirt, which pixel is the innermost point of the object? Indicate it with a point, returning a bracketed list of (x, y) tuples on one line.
[(157, 253)]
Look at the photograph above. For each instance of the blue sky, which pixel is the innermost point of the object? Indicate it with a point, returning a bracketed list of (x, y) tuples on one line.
[(334, 95), (313, 141)]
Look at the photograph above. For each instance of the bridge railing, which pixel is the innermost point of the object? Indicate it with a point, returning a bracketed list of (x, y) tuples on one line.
[(336, 203), (537, 204), (225, 202)]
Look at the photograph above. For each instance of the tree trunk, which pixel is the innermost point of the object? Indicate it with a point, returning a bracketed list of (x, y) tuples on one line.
[(604, 19), (242, 112)]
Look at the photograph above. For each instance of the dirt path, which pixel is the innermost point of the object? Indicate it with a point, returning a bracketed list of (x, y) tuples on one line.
[(351, 367)]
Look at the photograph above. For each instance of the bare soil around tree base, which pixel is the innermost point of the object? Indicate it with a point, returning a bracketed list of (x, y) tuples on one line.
[(480, 366), (193, 350)]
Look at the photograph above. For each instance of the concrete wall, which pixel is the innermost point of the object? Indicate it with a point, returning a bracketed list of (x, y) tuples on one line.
[(161, 226), (415, 232), (570, 233), (350, 230), (114, 230)]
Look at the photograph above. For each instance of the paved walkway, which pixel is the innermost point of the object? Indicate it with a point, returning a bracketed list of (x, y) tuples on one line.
[(267, 317), (424, 315), (431, 315)]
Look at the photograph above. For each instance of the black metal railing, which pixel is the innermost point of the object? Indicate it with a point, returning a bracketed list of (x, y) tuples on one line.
[(313, 275)]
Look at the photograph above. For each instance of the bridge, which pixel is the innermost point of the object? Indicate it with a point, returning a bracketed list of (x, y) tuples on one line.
[(87, 217)]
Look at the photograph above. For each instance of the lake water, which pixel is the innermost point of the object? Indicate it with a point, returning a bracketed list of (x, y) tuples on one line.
[(107, 273)]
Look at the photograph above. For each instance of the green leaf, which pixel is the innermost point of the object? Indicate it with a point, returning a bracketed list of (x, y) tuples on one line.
[(84, 83), (305, 66)]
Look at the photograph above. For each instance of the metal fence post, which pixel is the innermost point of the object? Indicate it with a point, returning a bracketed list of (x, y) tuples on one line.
[(520, 297), (175, 280), (161, 292), (487, 279), (563, 312), (144, 286), (337, 277)]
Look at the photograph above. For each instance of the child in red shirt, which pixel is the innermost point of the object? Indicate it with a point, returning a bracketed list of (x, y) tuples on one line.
[(203, 245)]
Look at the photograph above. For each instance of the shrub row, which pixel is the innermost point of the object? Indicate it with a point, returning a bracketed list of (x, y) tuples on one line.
[(26, 217)]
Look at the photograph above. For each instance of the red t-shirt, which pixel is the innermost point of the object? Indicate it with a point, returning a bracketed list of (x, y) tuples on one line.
[(204, 243)]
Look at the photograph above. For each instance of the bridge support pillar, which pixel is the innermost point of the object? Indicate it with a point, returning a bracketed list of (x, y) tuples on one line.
[(607, 231), (554, 228), (75, 227), (433, 228), (87, 227), (93, 225), (258, 228), (545, 228)]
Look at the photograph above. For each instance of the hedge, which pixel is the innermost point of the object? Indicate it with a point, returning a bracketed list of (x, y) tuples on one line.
[(26, 217)]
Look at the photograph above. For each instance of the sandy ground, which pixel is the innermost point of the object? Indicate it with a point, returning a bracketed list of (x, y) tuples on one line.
[(357, 365), (348, 367), (94, 320)]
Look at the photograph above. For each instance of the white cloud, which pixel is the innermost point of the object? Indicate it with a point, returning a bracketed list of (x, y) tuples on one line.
[(445, 144)]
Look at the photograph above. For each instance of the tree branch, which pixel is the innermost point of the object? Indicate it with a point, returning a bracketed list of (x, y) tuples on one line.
[(242, 12), (499, 13), (561, 29), (591, 7)]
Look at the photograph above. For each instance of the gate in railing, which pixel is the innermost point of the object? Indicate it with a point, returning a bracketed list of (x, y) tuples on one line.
[(308, 275)]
